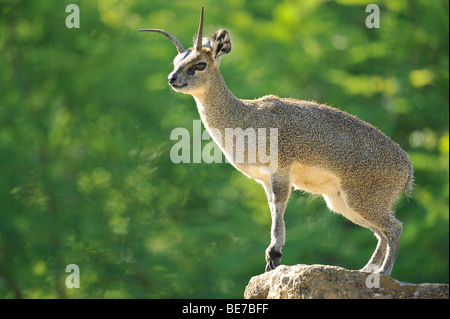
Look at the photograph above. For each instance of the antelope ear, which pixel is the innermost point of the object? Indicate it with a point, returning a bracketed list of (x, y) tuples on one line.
[(206, 43), (220, 43)]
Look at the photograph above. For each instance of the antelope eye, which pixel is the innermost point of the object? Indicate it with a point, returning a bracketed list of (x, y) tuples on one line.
[(200, 66)]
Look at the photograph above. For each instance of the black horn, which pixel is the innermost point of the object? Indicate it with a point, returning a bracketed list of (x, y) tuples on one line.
[(177, 43), (198, 44)]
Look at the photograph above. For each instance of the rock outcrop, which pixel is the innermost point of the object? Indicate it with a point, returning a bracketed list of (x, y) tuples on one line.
[(331, 282)]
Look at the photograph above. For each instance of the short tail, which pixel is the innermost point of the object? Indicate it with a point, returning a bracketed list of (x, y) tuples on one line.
[(409, 181)]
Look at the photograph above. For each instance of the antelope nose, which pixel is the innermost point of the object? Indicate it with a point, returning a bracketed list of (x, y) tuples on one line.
[(172, 78)]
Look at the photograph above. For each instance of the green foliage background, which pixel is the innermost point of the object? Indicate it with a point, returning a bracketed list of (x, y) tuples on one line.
[(85, 120)]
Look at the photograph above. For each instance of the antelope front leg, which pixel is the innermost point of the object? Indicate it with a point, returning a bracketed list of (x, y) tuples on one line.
[(277, 195)]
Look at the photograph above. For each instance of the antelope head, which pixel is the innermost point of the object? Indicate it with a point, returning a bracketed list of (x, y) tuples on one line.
[(195, 67)]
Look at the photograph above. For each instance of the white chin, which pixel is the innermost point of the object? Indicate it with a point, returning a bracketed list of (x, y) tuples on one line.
[(179, 88)]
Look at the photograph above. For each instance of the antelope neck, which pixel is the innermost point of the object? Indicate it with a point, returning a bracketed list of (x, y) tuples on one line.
[(217, 105)]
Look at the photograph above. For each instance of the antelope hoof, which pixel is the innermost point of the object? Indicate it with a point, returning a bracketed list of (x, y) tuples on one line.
[(272, 264), (273, 258)]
